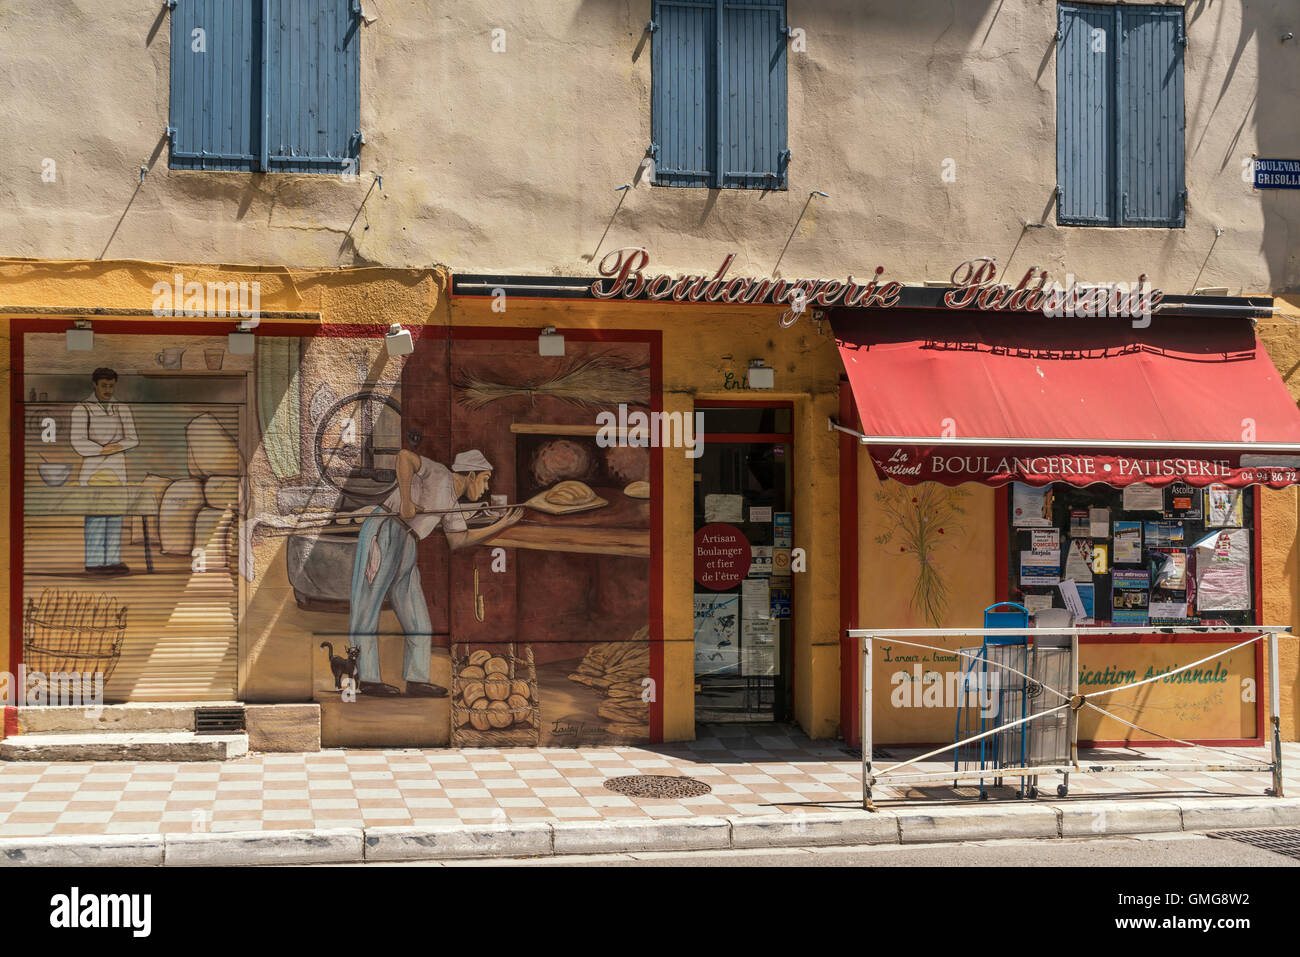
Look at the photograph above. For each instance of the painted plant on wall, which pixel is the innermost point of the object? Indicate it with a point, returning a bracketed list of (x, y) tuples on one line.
[(920, 523)]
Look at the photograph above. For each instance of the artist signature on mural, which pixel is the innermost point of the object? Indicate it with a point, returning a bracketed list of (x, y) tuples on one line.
[(560, 727)]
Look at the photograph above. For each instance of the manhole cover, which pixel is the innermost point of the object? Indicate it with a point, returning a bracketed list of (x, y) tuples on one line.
[(657, 786), (1279, 840)]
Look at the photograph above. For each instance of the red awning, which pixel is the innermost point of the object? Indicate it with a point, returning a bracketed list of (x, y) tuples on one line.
[(994, 398)]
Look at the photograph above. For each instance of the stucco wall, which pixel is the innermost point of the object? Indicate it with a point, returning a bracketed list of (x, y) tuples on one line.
[(509, 161)]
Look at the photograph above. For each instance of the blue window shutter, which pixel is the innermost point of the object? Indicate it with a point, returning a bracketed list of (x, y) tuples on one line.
[(215, 92), (1086, 146), (684, 92), (314, 80), (753, 110), (1151, 119)]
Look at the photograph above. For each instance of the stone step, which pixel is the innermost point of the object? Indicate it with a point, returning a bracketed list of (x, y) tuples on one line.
[(124, 746), (114, 718)]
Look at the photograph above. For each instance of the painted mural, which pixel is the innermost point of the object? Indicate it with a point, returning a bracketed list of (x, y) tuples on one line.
[(434, 547)]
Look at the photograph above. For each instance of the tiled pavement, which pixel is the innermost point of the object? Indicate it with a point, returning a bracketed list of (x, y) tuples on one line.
[(751, 772)]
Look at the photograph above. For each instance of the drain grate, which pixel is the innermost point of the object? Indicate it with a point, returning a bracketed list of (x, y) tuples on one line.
[(218, 720), (657, 786), (1279, 840)]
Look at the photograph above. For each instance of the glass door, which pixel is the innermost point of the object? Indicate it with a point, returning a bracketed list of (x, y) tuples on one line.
[(743, 586)]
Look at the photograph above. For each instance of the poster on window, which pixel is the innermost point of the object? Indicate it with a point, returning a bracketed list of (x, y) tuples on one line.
[(717, 632), (1223, 571), (1184, 501), (1130, 595), (1128, 542), (1223, 507), (1039, 569), (758, 648), (1030, 506)]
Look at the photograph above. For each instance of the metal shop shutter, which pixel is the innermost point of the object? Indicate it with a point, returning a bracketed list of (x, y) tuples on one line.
[(274, 85), (180, 641), (1085, 115), (718, 94), (1150, 99)]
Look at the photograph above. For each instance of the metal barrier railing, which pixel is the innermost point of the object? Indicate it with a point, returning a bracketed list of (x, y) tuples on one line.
[(1072, 700)]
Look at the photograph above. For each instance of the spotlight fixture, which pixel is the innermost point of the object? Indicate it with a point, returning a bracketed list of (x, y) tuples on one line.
[(398, 341), (550, 343), (240, 342), (80, 337), (761, 376)]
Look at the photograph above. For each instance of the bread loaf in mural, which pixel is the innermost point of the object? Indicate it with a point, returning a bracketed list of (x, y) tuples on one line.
[(493, 698), (561, 459), (617, 669), (628, 463)]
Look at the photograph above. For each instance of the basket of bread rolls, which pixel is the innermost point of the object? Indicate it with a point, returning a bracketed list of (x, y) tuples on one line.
[(494, 698)]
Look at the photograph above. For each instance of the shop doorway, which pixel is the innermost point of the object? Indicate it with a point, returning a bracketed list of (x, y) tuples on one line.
[(743, 624)]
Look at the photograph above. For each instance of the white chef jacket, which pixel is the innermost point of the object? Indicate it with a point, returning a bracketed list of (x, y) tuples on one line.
[(94, 426), (432, 488)]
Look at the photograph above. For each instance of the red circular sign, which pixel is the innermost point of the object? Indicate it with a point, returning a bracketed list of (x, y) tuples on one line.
[(722, 556)]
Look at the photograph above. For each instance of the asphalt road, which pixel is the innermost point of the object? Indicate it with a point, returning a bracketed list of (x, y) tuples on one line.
[(1158, 850)]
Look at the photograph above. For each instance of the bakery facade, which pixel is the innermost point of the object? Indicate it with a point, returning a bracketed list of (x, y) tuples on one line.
[(489, 510)]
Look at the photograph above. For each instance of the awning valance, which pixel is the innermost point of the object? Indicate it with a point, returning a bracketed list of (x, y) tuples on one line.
[(995, 398)]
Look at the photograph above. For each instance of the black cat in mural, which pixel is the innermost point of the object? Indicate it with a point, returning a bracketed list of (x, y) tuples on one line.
[(343, 666)]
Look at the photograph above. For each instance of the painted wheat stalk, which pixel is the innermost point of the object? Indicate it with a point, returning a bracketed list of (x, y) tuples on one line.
[(600, 380), (920, 519)]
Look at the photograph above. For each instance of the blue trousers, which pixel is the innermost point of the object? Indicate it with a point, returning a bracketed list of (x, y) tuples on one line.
[(103, 540), (397, 578)]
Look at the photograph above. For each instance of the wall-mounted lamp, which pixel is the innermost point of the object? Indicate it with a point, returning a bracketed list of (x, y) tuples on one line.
[(550, 343), (760, 375), (399, 341), (240, 342), (80, 337)]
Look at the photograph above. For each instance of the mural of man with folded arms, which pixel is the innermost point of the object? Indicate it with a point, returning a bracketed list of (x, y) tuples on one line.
[(428, 496), (102, 433)]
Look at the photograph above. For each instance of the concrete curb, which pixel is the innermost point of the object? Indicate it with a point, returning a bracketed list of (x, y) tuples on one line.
[(306, 846), (990, 823), (1101, 818), (616, 836), (78, 850), (451, 842), (896, 826)]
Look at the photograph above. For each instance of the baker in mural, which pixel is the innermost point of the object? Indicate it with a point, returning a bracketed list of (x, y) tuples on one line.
[(102, 433), (428, 496)]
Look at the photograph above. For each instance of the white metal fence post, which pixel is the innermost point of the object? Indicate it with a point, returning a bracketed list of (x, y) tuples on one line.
[(866, 680), (1274, 711)]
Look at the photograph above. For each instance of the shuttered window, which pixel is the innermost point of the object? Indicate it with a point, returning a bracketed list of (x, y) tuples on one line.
[(1120, 122), (266, 85), (718, 97)]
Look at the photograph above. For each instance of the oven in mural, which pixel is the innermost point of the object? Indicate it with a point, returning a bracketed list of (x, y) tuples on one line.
[(443, 541)]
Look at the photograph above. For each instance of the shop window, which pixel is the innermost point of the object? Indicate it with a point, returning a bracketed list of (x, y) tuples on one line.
[(718, 94), (1138, 556), (273, 93), (1120, 126)]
